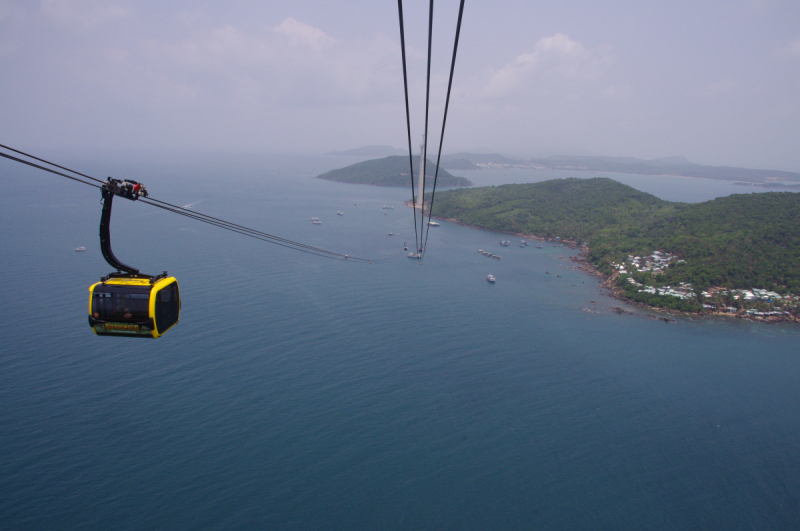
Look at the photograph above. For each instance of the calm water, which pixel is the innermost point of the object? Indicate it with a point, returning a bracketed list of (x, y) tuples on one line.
[(302, 393)]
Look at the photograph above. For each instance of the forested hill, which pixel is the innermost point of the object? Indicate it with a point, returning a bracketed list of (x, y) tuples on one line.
[(391, 171), (740, 241)]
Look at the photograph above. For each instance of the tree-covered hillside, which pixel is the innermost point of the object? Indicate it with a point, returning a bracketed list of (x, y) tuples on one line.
[(391, 171), (740, 241)]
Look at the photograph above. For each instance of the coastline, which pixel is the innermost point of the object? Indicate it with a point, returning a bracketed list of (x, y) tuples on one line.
[(608, 283)]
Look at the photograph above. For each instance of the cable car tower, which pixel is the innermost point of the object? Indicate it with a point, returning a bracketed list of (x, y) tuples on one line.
[(422, 230)]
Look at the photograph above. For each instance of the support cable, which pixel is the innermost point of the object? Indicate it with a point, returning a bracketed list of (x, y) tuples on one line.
[(233, 227), (424, 162), (48, 169), (408, 120), (444, 122), (50, 163)]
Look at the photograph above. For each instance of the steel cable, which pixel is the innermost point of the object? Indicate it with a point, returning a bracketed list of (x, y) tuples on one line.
[(198, 216), (408, 119), (441, 138)]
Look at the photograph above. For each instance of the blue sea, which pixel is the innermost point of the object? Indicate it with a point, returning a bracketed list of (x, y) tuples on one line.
[(303, 393)]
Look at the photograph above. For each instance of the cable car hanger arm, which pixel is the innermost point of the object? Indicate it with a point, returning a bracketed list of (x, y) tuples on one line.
[(129, 190)]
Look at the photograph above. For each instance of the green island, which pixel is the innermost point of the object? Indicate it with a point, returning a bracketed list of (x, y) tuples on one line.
[(737, 254), (391, 171)]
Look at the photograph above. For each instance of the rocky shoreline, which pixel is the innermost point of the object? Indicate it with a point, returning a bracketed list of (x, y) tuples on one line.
[(609, 284)]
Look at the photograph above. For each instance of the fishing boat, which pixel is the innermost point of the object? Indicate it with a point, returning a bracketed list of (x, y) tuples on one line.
[(505, 243), (491, 278), (80, 249), (414, 255), (316, 221), (433, 224)]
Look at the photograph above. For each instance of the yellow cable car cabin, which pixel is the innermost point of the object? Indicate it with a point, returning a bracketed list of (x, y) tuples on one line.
[(127, 302), (134, 307)]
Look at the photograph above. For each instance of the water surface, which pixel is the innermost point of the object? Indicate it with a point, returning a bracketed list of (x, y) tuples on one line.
[(302, 393)]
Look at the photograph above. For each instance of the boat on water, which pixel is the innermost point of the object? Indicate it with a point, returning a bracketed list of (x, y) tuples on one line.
[(491, 278), (339, 213), (540, 246), (316, 221), (523, 243), (414, 255), (391, 234), (433, 224), (405, 246), (80, 249), (505, 243)]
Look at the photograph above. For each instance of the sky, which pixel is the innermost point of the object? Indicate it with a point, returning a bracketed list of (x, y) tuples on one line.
[(717, 81)]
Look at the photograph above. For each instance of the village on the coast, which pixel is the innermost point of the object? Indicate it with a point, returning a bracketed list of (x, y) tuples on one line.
[(753, 302)]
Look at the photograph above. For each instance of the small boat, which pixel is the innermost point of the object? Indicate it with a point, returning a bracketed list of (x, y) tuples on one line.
[(505, 243), (339, 213), (491, 278), (391, 234), (540, 246), (414, 255), (80, 249), (316, 221), (405, 246), (433, 224)]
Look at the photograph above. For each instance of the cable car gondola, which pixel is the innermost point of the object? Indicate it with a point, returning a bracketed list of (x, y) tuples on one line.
[(127, 302)]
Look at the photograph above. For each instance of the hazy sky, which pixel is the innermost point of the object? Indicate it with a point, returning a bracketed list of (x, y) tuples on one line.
[(715, 80)]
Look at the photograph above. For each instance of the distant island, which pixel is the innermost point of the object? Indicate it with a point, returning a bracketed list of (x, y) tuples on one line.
[(738, 254), (678, 166), (391, 171), (369, 151)]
